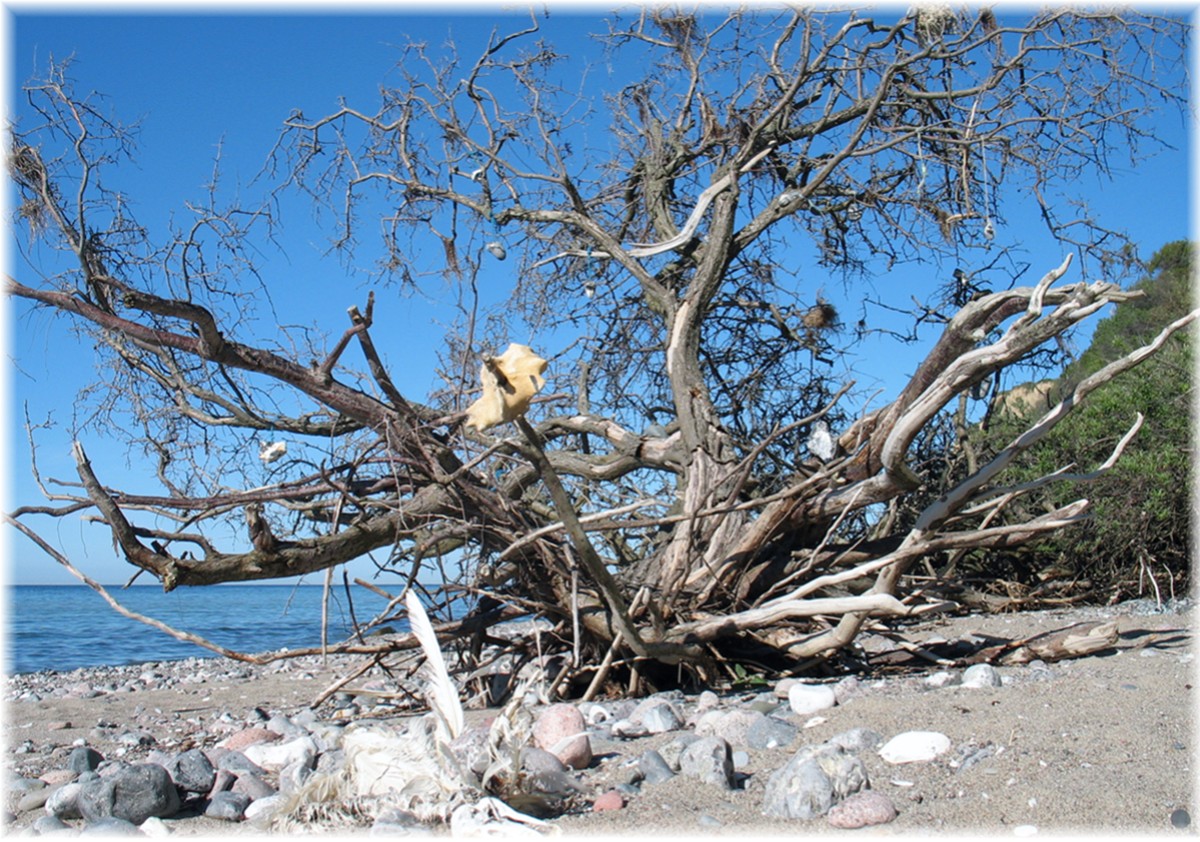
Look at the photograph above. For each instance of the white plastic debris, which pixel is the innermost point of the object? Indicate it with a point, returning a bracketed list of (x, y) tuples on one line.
[(497, 249), (820, 441), (915, 747), (271, 451)]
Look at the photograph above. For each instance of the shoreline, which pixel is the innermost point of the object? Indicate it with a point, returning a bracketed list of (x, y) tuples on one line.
[(1106, 737)]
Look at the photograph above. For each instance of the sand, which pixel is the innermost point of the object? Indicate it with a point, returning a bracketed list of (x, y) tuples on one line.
[(1103, 743)]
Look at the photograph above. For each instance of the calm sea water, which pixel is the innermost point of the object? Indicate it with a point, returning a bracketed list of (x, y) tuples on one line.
[(62, 627)]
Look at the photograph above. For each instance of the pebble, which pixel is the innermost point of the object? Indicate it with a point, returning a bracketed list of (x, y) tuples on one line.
[(228, 806), (1180, 818), (654, 768), (561, 730), (611, 800), (810, 698), (710, 759), (862, 809), (982, 675)]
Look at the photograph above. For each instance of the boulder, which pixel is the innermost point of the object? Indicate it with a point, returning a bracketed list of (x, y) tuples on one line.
[(133, 793)]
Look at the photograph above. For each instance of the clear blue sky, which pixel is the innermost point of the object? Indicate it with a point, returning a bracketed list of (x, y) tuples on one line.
[(198, 81)]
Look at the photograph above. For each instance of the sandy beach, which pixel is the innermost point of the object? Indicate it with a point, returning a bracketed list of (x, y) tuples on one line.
[(1101, 743)]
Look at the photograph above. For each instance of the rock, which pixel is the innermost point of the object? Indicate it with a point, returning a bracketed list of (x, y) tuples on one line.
[(253, 786), (941, 678), (471, 748), (292, 777), (810, 698), (561, 731), (731, 726), (261, 811), (536, 761), (136, 738), (228, 806), (784, 687), (156, 827), (857, 739), (611, 800), (274, 756), (241, 740), (654, 768), (812, 781), (238, 763), (222, 781), (660, 717), (862, 809), (58, 725), (192, 771), (110, 826), (133, 793), (285, 727), (671, 751), (35, 799), (710, 759), (847, 688), (770, 732), (84, 759), (707, 701), (981, 675), (63, 803), (52, 826), (915, 747)]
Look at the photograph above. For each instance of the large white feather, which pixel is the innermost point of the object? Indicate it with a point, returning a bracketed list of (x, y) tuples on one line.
[(443, 694)]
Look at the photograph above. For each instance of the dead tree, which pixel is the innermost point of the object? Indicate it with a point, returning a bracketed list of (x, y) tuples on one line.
[(672, 502)]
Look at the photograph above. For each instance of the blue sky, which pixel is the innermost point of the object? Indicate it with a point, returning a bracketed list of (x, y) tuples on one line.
[(201, 82)]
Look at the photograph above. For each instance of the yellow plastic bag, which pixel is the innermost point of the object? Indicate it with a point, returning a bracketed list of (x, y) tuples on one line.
[(509, 383)]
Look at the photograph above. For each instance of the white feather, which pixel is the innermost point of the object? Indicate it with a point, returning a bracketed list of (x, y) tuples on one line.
[(443, 694)]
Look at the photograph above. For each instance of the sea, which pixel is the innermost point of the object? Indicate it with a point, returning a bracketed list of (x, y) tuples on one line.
[(63, 627)]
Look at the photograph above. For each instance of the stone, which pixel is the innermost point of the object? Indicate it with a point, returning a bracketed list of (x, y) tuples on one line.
[(274, 756), (261, 811), (156, 827), (914, 747), (770, 732), (35, 799), (654, 768), (981, 675), (710, 759), (611, 800), (192, 771), (285, 727), (660, 718), (292, 777), (810, 698), (110, 826), (136, 738), (862, 809), (812, 781), (671, 751), (253, 786), (52, 826), (846, 689), (63, 802), (241, 740), (133, 793), (731, 726), (84, 759), (228, 806), (857, 739), (561, 731), (536, 761), (238, 763)]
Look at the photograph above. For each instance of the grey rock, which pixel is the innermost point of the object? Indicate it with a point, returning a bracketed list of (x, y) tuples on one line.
[(253, 786), (133, 793), (136, 738), (654, 768), (63, 803), (227, 806), (536, 761), (816, 778), (238, 763), (84, 759), (733, 726), (110, 826), (672, 750), (661, 717), (981, 675), (741, 759), (857, 740), (770, 732), (710, 759), (35, 799), (52, 826), (470, 747), (192, 771), (286, 727), (292, 777)]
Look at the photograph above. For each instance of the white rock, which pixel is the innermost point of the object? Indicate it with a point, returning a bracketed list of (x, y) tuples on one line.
[(155, 826), (810, 698), (275, 756), (981, 675), (941, 678), (260, 811), (915, 747)]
